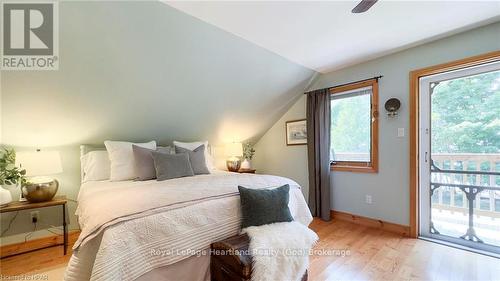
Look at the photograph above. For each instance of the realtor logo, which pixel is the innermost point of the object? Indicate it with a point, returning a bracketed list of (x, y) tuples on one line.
[(30, 36)]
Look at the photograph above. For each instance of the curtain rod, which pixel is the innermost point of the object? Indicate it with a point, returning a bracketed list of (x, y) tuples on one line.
[(336, 86)]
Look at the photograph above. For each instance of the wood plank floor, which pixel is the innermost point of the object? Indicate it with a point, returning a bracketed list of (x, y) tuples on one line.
[(375, 254), (370, 254), (36, 262)]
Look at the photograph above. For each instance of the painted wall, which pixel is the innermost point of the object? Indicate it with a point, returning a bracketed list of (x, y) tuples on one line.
[(390, 186), (140, 71), (273, 156)]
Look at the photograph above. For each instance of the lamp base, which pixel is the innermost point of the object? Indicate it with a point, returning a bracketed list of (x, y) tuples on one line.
[(40, 191), (233, 165)]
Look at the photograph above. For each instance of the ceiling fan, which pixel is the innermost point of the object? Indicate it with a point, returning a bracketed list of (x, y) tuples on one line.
[(363, 6)]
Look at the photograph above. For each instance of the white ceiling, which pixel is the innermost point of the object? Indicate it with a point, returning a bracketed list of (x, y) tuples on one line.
[(325, 36)]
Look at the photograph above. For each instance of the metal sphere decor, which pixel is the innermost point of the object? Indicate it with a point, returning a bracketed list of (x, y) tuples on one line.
[(40, 192), (392, 106)]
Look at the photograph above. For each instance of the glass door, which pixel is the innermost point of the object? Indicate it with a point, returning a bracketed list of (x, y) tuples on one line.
[(460, 157)]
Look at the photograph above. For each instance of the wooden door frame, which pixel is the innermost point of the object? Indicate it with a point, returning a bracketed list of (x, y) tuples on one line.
[(415, 75)]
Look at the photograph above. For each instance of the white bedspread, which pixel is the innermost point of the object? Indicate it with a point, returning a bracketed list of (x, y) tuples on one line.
[(130, 228)]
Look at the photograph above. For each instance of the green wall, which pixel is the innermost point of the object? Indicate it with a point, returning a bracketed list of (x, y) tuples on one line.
[(140, 71)]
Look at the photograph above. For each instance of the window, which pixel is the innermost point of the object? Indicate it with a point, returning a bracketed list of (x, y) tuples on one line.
[(354, 127)]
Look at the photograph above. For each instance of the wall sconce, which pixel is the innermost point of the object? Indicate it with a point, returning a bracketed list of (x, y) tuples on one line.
[(392, 106)]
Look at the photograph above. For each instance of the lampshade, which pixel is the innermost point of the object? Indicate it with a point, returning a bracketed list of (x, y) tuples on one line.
[(39, 163), (234, 149)]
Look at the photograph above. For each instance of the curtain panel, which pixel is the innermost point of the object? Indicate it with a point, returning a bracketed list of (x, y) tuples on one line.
[(318, 152)]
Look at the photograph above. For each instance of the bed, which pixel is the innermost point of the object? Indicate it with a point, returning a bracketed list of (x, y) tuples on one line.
[(162, 230)]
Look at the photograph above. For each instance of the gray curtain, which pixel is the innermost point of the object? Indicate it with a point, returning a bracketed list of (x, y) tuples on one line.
[(318, 150)]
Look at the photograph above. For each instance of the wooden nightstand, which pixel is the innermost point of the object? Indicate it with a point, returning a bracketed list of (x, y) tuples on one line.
[(246, 171), (25, 205)]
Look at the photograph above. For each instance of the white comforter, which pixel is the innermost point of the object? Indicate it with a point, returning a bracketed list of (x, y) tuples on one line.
[(130, 228)]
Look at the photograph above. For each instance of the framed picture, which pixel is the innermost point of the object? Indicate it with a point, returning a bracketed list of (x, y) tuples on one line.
[(296, 132)]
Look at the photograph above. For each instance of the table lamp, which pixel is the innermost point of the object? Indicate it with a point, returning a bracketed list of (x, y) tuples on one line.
[(39, 166), (234, 151)]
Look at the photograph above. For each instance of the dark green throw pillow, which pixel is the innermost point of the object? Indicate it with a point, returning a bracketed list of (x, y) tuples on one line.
[(264, 206)]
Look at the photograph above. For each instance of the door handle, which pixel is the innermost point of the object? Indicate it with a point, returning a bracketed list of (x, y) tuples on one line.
[(425, 157)]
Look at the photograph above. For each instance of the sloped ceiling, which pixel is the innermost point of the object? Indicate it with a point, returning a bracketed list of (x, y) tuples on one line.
[(325, 35), (144, 70)]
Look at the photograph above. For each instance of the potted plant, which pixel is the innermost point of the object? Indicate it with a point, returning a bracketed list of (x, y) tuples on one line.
[(248, 153), (9, 173)]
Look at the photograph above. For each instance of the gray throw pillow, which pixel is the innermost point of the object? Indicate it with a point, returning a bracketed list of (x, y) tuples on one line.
[(144, 165), (171, 166), (197, 159), (264, 206)]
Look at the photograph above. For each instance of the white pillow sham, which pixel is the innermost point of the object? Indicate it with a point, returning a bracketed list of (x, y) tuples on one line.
[(193, 145), (95, 165), (122, 158)]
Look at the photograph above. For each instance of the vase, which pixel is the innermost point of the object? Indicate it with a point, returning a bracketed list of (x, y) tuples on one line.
[(246, 164), (5, 196)]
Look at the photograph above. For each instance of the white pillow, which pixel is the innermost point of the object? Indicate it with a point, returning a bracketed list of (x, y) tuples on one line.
[(193, 145), (122, 158), (95, 165)]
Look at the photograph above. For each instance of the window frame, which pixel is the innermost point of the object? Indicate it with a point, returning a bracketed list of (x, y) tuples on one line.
[(362, 167)]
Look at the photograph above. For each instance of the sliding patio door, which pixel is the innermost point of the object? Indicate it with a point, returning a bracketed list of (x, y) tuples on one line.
[(459, 146)]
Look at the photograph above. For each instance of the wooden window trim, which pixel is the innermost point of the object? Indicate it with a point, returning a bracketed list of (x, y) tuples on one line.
[(415, 75), (362, 167)]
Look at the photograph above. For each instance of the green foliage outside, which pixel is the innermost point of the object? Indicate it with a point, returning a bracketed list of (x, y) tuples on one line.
[(350, 130), (466, 115)]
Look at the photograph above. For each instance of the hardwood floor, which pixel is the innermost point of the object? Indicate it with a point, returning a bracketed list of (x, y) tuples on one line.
[(370, 254), (376, 254), (36, 262)]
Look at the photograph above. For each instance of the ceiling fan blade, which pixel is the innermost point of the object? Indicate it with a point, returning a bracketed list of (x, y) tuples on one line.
[(363, 6)]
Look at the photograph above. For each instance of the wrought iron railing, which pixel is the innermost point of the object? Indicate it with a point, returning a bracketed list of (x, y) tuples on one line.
[(470, 182)]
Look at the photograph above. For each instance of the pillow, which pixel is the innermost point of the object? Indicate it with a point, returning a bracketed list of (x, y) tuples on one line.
[(193, 145), (95, 165), (144, 165), (264, 206), (171, 166), (196, 158), (165, 149), (122, 158)]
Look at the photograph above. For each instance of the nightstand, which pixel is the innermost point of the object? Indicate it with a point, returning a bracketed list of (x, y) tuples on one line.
[(246, 171), (25, 205)]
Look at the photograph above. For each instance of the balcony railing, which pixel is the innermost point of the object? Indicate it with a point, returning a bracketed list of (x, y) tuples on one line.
[(458, 181), (465, 190)]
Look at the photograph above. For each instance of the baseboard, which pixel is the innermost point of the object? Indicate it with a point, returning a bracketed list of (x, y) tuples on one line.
[(387, 226), (39, 243)]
